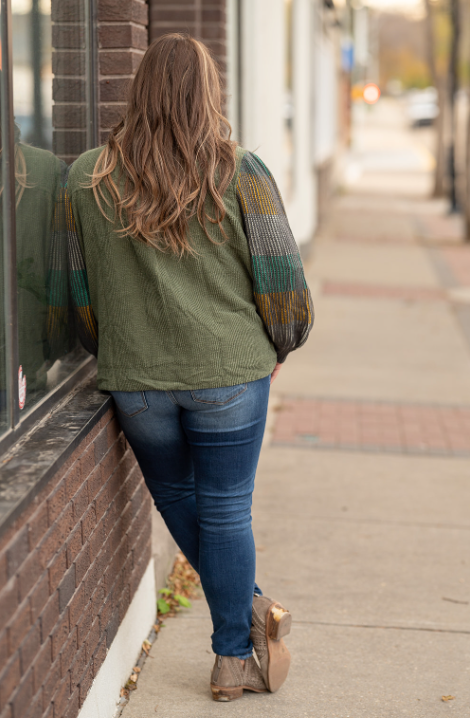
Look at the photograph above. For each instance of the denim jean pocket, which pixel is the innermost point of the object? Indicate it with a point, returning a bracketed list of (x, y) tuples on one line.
[(130, 403), (222, 395)]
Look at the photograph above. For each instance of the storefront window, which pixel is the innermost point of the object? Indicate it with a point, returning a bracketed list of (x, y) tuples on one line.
[(49, 125)]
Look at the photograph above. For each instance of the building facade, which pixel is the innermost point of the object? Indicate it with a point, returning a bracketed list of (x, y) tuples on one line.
[(80, 543)]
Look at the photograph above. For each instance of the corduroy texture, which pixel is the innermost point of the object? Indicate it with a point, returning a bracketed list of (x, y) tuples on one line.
[(195, 322)]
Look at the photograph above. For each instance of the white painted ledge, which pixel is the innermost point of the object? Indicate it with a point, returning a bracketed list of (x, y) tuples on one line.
[(102, 700)]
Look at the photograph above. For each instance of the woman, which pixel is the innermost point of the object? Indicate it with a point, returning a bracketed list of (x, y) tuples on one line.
[(199, 295)]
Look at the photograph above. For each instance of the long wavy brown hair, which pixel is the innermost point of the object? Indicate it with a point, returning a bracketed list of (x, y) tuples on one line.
[(171, 151)]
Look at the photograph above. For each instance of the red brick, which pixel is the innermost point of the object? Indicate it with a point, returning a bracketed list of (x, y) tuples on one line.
[(51, 683), (68, 652), (128, 62), (95, 482), (101, 441), (157, 29), (66, 588), (82, 564), (123, 11), (78, 667), (87, 462), (84, 624), (88, 522), (42, 664), (124, 602), (97, 599), (38, 525), (29, 575), (8, 601), (112, 627), (78, 604), (213, 32), (113, 431), (9, 679), (39, 596), (50, 616), (172, 15), (4, 652), (57, 570), (60, 634), (111, 460), (99, 656), (61, 697), (73, 705), (85, 683), (30, 647), (67, 37), (3, 568), (17, 552), (57, 536), (21, 700), (19, 625), (56, 502), (114, 89), (111, 115), (93, 639), (35, 708), (74, 545), (214, 15), (73, 479), (80, 502), (97, 540), (102, 501)]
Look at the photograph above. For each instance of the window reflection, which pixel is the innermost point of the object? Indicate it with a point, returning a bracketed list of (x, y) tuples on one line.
[(48, 349)]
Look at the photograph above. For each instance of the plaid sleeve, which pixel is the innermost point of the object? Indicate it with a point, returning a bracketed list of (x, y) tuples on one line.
[(58, 319), (281, 293), (85, 320)]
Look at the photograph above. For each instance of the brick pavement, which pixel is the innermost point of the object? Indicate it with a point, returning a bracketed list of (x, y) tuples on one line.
[(381, 291), (376, 426)]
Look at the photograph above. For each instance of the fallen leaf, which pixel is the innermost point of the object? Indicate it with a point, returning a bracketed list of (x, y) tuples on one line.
[(133, 678), (137, 669), (447, 698), (146, 647)]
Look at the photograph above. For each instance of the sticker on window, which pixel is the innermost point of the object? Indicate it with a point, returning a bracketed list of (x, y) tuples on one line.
[(21, 388)]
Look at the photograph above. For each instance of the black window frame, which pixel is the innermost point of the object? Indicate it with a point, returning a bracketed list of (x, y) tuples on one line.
[(18, 424)]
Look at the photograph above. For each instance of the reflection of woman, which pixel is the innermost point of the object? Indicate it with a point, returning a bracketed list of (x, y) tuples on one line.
[(199, 293), (38, 181)]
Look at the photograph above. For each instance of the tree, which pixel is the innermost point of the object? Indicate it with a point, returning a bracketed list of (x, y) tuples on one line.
[(440, 83)]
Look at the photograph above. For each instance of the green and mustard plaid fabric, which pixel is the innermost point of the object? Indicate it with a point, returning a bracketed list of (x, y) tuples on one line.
[(280, 290), (68, 281), (57, 281)]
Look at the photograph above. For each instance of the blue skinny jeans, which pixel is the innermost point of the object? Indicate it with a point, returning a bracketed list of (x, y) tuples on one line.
[(198, 451)]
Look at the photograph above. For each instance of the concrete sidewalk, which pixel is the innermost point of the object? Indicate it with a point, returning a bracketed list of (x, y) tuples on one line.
[(363, 533)]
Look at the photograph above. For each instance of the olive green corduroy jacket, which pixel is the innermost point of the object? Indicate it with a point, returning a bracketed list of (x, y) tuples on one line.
[(215, 319)]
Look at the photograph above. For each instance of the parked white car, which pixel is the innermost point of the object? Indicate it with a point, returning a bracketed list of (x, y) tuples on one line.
[(422, 106)]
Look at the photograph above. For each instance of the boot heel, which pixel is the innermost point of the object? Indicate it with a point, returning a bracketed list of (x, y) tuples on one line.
[(226, 694), (279, 622)]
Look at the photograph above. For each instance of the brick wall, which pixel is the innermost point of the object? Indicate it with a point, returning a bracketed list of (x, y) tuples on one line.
[(123, 39), (69, 84), (69, 568), (205, 20)]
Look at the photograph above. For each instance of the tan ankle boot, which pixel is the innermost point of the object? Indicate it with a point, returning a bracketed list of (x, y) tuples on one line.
[(229, 678), (270, 622)]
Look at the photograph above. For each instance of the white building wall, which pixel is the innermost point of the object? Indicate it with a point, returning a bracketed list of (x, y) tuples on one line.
[(263, 97)]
